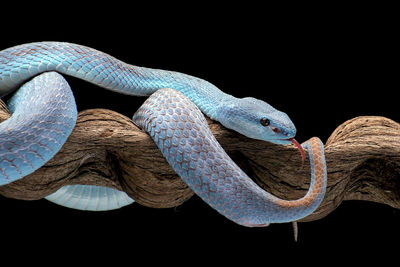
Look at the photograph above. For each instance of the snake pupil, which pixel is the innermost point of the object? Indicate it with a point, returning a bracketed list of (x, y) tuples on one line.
[(265, 122)]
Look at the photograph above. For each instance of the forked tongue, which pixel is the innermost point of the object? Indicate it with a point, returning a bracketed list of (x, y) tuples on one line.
[(303, 154)]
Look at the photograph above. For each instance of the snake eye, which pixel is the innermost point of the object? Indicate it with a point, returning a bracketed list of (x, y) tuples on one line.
[(264, 122)]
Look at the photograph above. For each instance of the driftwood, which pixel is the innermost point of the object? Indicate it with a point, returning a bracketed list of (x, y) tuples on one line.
[(106, 148)]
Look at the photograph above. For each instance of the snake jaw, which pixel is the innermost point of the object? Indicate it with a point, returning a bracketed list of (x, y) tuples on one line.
[(297, 144)]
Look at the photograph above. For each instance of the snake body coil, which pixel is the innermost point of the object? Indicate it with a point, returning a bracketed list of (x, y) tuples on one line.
[(44, 115)]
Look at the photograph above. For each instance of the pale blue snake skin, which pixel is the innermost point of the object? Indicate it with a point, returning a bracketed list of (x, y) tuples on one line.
[(90, 197), (44, 115)]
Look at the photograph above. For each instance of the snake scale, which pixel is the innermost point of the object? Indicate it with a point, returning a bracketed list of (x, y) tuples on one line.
[(44, 114)]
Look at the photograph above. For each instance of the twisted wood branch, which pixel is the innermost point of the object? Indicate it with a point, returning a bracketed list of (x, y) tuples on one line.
[(106, 148)]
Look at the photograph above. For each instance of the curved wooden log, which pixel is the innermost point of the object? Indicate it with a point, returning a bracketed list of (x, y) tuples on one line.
[(106, 148)]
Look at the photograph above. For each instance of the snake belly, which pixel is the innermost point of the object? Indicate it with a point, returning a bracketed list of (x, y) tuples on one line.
[(171, 116)]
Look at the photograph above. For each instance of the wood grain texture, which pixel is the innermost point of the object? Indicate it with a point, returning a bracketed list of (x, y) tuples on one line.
[(106, 148)]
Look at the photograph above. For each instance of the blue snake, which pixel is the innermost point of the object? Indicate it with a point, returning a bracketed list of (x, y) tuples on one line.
[(44, 114)]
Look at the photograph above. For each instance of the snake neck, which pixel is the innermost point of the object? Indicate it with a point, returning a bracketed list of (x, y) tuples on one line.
[(206, 96)]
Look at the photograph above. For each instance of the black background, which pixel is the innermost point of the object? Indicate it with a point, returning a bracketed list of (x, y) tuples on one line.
[(322, 65)]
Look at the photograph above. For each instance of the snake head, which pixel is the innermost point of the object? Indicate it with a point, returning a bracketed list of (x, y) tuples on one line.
[(256, 119)]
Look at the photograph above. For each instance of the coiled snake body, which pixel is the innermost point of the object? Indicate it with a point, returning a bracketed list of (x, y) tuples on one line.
[(44, 115)]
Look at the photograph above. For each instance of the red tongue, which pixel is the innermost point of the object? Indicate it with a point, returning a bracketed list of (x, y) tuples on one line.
[(303, 154)]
